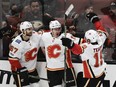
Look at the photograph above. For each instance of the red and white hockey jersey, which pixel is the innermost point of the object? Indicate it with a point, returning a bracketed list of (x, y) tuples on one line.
[(55, 51), (25, 51), (93, 63)]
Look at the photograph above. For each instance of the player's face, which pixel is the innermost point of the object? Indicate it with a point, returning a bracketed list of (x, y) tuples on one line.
[(28, 32), (56, 32)]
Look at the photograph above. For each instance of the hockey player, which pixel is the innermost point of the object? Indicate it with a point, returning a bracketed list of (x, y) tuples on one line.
[(23, 56), (91, 53), (55, 56)]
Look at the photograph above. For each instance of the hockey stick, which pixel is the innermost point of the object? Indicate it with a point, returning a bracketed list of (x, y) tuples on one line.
[(19, 81), (36, 77), (70, 8)]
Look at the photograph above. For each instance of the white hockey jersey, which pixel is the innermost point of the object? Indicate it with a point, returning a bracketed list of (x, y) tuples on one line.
[(55, 51), (26, 51), (93, 63)]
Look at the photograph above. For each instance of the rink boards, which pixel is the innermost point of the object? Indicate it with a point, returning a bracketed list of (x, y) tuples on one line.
[(6, 78)]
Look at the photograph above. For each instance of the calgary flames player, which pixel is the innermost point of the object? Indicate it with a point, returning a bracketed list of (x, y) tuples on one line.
[(91, 53), (23, 56), (55, 56)]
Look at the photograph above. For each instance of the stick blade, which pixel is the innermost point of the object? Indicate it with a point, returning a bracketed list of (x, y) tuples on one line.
[(69, 9)]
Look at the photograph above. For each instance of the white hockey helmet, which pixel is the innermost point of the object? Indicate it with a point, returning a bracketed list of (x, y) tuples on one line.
[(54, 24), (24, 25), (91, 35)]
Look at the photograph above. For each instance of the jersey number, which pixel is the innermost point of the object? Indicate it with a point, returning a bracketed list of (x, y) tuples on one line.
[(98, 59), (13, 49)]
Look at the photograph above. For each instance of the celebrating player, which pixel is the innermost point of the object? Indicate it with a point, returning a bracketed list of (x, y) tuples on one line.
[(55, 56), (23, 56), (91, 53)]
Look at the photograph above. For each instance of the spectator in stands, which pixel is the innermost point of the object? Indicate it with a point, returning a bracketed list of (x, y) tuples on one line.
[(11, 21), (110, 11), (8, 29), (34, 15), (54, 8), (82, 24), (12, 10), (113, 10)]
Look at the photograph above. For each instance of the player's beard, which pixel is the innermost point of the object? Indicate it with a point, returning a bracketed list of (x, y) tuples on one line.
[(29, 34)]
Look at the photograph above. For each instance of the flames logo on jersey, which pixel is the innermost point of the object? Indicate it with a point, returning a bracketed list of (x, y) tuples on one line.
[(54, 51), (31, 54)]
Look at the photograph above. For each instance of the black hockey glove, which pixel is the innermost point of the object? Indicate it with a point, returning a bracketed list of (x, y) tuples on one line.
[(21, 77), (92, 17), (67, 42)]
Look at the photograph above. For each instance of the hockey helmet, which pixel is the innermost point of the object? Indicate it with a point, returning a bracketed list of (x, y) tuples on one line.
[(54, 24), (91, 35), (24, 25)]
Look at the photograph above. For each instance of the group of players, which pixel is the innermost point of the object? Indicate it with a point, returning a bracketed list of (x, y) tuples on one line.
[(57, 47)]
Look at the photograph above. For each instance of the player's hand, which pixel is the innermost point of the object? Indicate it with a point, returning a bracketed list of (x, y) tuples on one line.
[(24, 77), (92, 17), (67, 42)]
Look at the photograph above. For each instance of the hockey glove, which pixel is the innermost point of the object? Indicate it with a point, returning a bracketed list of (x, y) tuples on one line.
[(21, 77), (92, 17), (67, 42)]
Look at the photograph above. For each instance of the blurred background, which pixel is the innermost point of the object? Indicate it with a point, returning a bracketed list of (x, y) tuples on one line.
[(12, 12)]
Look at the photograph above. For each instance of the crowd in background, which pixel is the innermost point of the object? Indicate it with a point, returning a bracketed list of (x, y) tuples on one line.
[(40, 13)]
